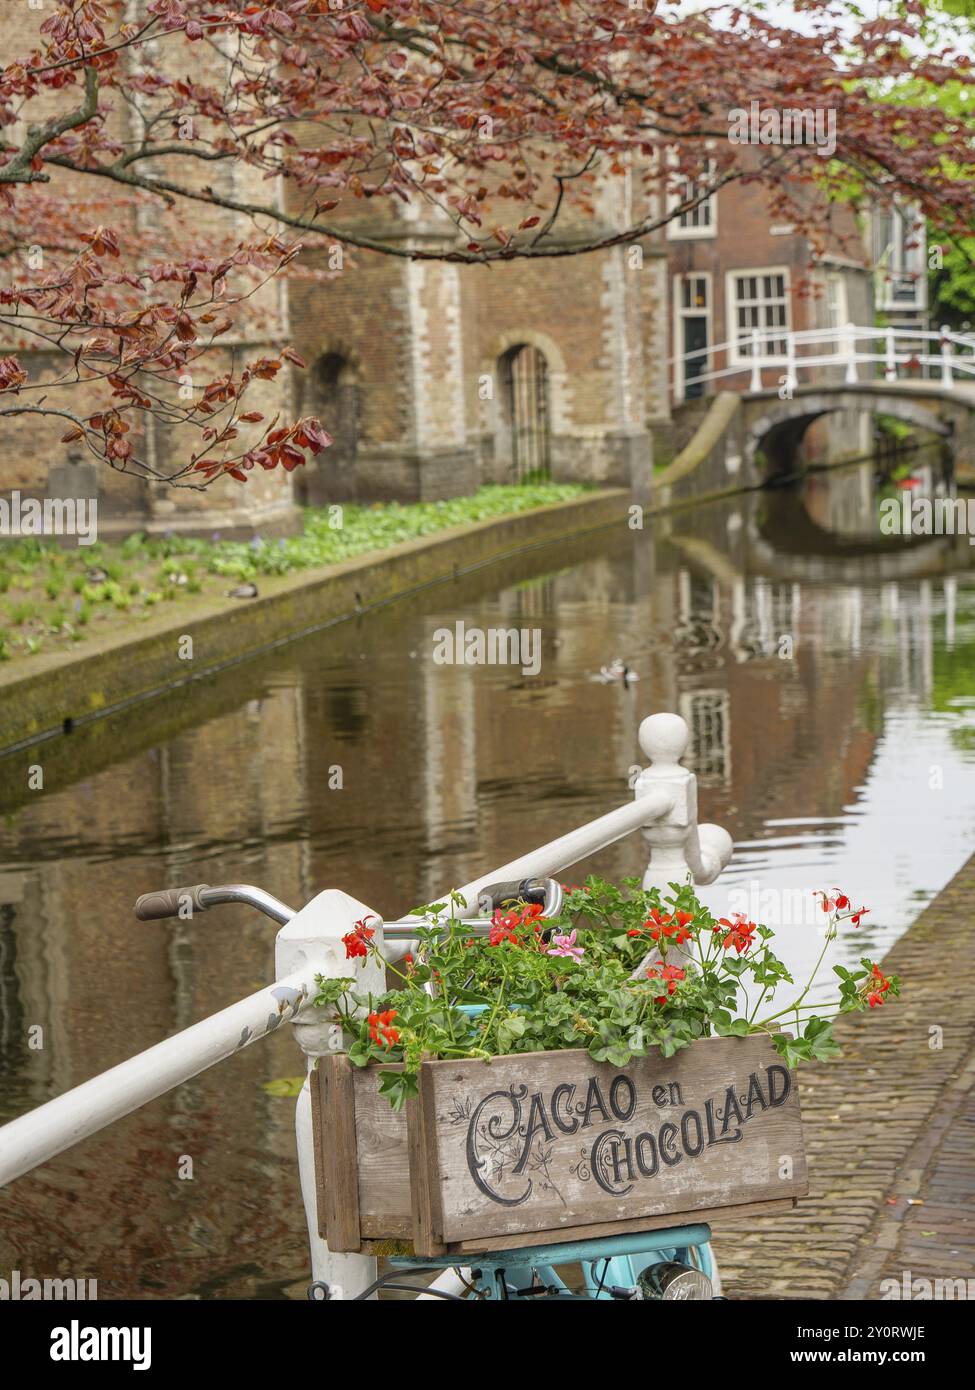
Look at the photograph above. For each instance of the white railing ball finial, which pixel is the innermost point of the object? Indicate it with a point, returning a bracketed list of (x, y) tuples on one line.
[(663, 740)]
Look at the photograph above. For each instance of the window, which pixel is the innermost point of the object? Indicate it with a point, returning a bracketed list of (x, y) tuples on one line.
[(836, 304), (758, 299), (694, 292), (900, 255), (692, 333), (702, 218), (707, 712)]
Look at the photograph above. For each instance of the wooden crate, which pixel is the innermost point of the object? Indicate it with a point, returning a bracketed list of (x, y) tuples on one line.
[(547, 1146)]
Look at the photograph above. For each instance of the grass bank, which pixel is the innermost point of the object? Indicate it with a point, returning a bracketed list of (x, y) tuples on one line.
[(52, 598), (189, 639)]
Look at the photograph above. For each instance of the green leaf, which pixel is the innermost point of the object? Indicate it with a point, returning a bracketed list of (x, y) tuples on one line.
[(286, 1086), (360, 1053), (510, 1029), (737, 1028), (398, 1086)]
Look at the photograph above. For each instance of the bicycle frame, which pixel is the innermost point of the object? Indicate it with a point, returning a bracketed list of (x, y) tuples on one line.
[(608, 1264)]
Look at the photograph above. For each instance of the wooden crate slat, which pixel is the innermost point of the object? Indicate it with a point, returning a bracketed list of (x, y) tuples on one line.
[(385, 1205), (422, 1134), (338, 1187), (604, 1229)]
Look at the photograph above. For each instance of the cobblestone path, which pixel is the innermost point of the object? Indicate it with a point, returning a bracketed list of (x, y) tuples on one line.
[(889, 1132)]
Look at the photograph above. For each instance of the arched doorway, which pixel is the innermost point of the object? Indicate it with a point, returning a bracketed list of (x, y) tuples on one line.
[(523, 374), (332, 395)]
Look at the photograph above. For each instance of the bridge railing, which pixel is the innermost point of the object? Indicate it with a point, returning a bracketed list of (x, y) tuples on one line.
[(815, 356), (310, 944)]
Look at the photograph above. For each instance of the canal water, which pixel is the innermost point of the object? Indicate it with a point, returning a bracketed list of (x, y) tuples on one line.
[(826, 674)]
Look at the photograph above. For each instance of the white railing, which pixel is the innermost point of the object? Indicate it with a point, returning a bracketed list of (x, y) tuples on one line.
[(310, 944), (857, 354)]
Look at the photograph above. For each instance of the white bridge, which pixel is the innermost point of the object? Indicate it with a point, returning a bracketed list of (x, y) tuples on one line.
[(309, 944), (820, 356)]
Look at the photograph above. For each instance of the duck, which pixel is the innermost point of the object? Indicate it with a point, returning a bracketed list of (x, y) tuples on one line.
[(617, 670)]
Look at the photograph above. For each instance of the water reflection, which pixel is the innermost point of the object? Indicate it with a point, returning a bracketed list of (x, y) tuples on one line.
[(829, 690)]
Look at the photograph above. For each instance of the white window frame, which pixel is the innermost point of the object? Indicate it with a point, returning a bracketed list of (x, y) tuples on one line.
[(889, 271), (680, 313), (735, 355), (837, 278), (675, 232)]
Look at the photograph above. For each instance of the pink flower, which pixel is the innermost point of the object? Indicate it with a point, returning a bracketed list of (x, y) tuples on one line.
[(565, 946)]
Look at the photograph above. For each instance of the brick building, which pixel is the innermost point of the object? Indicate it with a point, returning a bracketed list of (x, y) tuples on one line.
[(435, 377), (734, 268), (432, 377)]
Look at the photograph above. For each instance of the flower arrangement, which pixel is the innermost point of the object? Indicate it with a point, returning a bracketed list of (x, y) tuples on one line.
[(621, 971)]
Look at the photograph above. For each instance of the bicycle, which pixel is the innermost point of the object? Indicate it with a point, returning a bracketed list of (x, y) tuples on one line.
[(676, 1263)]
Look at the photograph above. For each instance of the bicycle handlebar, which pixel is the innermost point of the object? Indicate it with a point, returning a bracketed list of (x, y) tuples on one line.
[(168, 902), (546, 891), (184, 902)]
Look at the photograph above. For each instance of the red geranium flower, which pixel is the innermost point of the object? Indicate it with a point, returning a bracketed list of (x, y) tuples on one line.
[(381, 1030), (533, 916), (881, 984), (669, 974), (356, 942), (663, 924), (739, 934), (503, 927), (839, 902)]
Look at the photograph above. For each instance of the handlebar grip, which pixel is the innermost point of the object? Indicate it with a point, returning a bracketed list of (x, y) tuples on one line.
[(495, 894), (169, 902), (492, 895)]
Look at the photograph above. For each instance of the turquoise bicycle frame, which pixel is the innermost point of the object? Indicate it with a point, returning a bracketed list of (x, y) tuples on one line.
[(612, 1262)]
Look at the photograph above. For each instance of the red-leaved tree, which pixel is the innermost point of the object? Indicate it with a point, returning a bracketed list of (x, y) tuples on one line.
[(130, 129)]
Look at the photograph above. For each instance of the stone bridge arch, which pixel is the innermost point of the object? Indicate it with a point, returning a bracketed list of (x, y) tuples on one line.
[(774, 428)]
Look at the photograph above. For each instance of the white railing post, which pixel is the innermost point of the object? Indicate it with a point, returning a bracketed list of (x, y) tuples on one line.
[(947, 375), (851, 354), (756, 380), (791, 374), (890, 364), (679, 848), (315, 934)]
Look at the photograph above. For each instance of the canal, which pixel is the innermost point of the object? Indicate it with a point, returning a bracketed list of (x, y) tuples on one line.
[(826, 674)]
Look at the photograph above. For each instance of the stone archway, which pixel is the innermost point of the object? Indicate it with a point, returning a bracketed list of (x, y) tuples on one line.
[(332, 394), (525, 411)]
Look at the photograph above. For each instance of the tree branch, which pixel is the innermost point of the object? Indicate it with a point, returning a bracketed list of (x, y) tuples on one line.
[(19, 169)]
